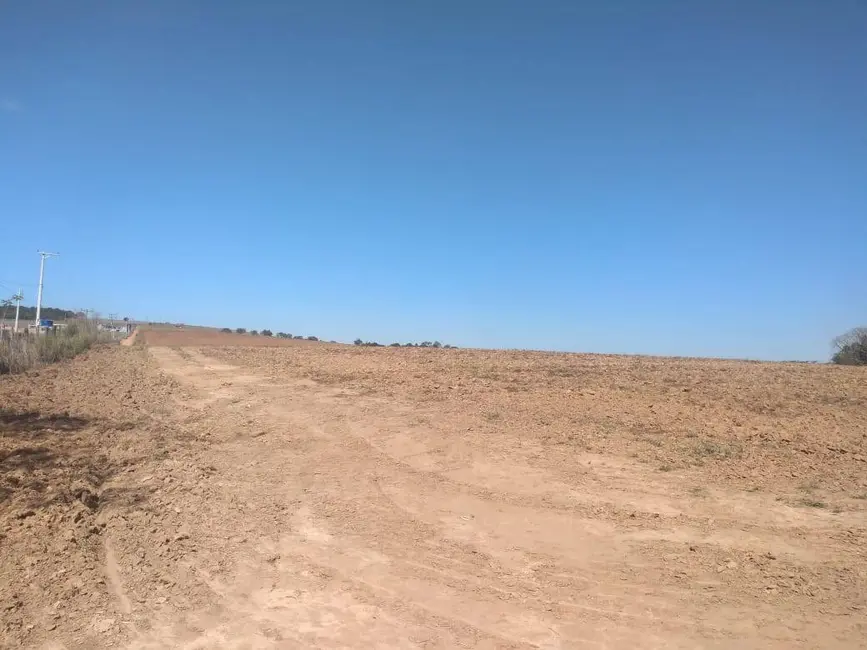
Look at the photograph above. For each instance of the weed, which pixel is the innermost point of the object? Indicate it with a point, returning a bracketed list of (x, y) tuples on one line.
[(813, 503), (698, 491), (666, 468), (863, 495)]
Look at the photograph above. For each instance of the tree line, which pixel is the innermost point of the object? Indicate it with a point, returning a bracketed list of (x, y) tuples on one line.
[(423, 344), (279, 335)]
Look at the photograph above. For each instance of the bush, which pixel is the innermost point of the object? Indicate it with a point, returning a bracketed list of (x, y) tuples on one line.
[(283, 335), (267, 333), (225, 330), (358, 342), (394, 345), (254, 333), (298, 338), (240, 330), (312, 338), (851, 348)]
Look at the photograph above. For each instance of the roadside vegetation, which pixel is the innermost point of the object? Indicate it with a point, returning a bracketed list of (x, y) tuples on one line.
[(26, 350)]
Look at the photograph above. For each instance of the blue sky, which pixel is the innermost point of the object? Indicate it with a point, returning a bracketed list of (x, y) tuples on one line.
[(668, 177)]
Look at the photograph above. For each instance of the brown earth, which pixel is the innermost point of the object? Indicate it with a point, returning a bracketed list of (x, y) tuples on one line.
[(197, 494), (199, 336)]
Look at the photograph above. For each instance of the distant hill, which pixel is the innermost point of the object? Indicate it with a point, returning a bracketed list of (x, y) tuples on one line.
[(29, 313)]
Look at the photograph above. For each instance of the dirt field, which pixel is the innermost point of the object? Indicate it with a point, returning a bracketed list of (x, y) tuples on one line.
[(191, 493)]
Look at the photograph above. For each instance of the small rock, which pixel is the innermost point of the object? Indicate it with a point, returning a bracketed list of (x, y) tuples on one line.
[(731, 564), (104, 625)]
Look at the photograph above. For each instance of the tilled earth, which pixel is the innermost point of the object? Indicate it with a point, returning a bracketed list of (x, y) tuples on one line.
[(195, 493)]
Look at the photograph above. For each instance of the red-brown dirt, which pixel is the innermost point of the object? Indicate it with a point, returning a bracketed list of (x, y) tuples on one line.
[(199, 494)]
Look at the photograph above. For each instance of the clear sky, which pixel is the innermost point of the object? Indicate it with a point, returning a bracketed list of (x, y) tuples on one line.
[(672, 177)]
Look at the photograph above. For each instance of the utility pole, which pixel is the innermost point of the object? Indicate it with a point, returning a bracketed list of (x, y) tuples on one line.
[(43, 255), (18, 297)]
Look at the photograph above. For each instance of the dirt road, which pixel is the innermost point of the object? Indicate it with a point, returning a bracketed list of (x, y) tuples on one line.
[(291, 513)]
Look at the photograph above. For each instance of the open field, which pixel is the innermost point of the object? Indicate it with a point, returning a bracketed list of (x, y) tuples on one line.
[(199, 336), (223, 491)]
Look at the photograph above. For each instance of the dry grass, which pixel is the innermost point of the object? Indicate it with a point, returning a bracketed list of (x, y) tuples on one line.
[(24, 351)]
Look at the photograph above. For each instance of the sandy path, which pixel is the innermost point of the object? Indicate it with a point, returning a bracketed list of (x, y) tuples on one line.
[(323, 518)]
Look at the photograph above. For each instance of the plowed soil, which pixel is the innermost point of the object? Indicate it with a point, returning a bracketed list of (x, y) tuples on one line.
[(200, 492)]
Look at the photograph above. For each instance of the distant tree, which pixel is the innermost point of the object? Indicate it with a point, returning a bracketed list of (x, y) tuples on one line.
[(254, 333), (851, 348), (409, 345), (437, 344), (298, 337), (226, 330), (240, 330), (358, 342), (425, 344), (312, 338), (267, 333), (395, 345), (126, 319)]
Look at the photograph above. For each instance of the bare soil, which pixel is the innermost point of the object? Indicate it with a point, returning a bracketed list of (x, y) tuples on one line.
[(198, 493)]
